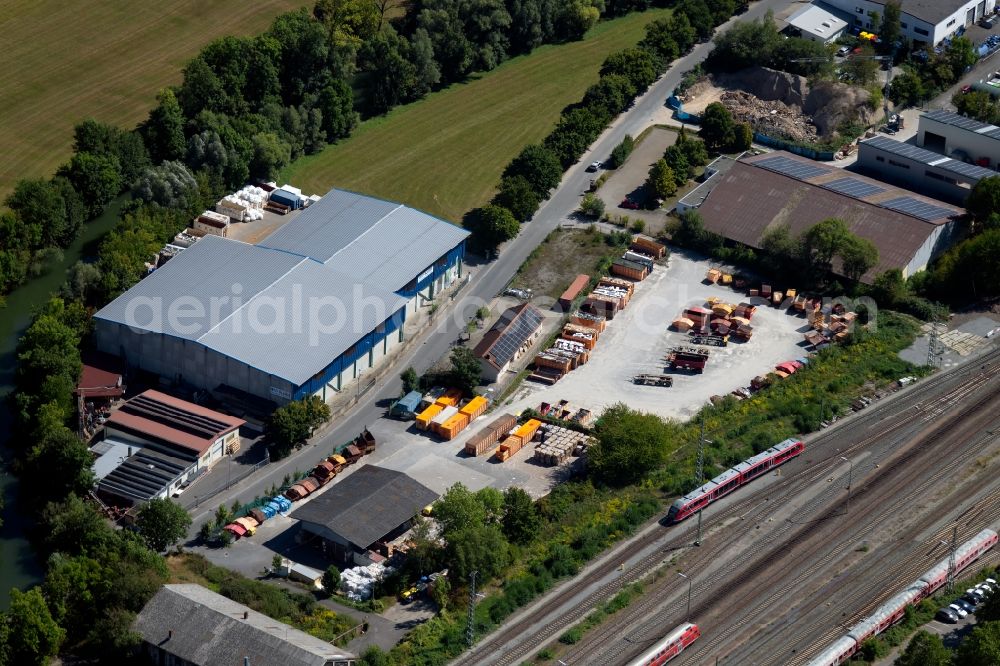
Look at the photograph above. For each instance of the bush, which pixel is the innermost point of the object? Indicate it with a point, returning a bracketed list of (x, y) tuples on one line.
[(571, 636), (591, 205), (621, 152)]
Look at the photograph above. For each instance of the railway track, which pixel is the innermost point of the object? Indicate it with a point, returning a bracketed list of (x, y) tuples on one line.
[(927, 399), (642, 623)]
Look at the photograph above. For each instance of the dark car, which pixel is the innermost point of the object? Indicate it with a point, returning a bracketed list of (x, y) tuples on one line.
[(974, 596), (628, 203), (969, 607), (946, 615)]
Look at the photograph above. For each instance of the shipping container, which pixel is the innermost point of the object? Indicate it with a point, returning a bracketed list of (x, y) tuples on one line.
[(450, 398), (475, 407), (528, 429), (443, 415), (424, 417), (353, 454), (510, 446), (482, 440), (579, 283), (453, 426), (647, 245), (630, 269), (258, 515), (339, 462), (407, 406)]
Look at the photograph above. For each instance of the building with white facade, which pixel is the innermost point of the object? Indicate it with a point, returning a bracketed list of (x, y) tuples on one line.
[(922, 21)]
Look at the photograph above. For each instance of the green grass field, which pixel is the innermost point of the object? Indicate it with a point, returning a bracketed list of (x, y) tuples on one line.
[(63, 61), (444, 154)]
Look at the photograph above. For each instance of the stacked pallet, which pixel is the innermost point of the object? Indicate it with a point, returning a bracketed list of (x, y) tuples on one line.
[(490, 435), (575, 333), (618, 283), (593, 321), (557, 444)]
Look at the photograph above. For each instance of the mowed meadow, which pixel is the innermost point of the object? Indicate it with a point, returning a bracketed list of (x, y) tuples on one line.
[(64, 60), (444, 154)]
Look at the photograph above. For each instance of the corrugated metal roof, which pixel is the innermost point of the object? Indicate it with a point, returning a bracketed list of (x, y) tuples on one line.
[(205, 628), (355, 248), (214, 276), (367, 238), (287, 341)]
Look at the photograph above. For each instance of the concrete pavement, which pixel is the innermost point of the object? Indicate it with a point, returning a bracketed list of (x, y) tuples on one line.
[(486, 282)]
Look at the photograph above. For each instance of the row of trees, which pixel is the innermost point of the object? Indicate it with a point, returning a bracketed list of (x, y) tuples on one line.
[(537, 170), (929, 74)]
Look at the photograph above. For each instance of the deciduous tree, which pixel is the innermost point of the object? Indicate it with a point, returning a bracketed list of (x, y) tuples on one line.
[(162, 523), (629, 445), (518, 196), (32, 635), (539, 166), (718, 128), (925, 649), (520, 516), (661, 182)]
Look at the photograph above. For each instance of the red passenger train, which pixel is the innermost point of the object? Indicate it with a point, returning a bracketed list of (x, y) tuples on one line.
[(668, 648), (733, 478)]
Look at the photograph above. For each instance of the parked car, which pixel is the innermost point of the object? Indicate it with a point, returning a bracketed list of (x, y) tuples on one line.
[(966, 89), (843, 51), (958, 610), (974, 595), (987, 22), (594, 166), (968, 607), (946, 615), (628, 203)]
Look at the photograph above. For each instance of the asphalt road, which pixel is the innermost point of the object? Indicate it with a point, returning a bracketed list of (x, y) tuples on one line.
[(486, 281)]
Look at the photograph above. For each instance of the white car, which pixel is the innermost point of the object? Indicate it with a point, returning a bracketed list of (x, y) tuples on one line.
[(594, 166), (958, 610), (843, 51)]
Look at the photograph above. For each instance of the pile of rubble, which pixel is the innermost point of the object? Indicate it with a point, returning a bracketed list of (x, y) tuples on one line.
[(774, 118)]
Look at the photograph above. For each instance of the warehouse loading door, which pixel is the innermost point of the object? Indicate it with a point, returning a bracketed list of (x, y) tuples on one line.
[(981, 9), (934, 142)]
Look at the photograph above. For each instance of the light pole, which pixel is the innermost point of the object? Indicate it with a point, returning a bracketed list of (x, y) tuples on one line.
[(687, 618), (850, 478)]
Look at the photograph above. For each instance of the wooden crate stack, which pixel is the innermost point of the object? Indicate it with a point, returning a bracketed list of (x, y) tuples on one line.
[(558, 444)]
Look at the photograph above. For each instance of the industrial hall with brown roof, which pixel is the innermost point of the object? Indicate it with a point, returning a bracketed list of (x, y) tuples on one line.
[(764, 192)]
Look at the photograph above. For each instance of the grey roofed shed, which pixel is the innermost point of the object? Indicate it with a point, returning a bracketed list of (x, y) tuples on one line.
[(367, 238), (366, 505), (205, 628)]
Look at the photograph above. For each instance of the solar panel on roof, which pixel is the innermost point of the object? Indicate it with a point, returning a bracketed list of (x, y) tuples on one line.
[(514, 336), (853, 187), (956, 120), (794, 168), (917, 208)]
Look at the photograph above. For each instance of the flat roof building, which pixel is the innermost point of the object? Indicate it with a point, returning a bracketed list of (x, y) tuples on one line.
[(510, 336), (960, 138), (303, 312), (919, 169), (189, 625), (817, 24), (921, 21), (763, 192), (371, 504)]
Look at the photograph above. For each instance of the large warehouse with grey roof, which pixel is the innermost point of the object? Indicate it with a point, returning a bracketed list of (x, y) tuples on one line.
[(303, 312)]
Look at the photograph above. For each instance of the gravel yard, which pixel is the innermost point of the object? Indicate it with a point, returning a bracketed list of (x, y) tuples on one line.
[(637, 340)]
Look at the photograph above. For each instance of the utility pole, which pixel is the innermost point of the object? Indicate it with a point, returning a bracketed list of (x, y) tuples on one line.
[(951, 559), (470, 629), (935, 350), (822, 411), (850, 479), (700, 472), (687, 616)]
